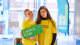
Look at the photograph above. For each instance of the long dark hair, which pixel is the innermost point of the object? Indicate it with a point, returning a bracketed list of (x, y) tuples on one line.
[(39, 18)]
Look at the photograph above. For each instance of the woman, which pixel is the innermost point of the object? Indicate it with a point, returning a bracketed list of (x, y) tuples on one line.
[(26, 24), (48, 37)]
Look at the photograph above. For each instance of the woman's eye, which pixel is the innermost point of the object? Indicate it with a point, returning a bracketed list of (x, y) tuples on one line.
[(40, 12), (43, 11)]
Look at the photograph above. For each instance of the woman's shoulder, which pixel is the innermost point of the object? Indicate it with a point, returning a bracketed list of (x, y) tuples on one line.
[(25, 21), (34, 22), (51, 20)]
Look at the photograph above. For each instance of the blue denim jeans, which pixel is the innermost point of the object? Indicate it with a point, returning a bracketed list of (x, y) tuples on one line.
[(77, 41)]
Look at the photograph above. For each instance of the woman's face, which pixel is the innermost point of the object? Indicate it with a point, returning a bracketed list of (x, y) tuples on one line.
[(29, 14), (43, 13)]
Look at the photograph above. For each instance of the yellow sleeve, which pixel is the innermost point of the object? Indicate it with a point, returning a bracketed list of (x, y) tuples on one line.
[(54, 28), (23, 26)]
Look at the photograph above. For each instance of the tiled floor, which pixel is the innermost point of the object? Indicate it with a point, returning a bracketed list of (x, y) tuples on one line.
[(65, 40)]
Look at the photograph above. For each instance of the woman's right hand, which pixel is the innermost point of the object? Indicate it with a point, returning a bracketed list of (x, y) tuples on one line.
[(21, 34), (32, 38)]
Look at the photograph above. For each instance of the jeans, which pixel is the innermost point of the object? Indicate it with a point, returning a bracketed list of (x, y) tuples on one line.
[(77, 42)]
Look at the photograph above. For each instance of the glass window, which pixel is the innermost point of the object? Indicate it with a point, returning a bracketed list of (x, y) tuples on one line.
[(18, 1), (53, 15), (71, 22), (72, 1), (30, 1), (51, 1), (0, 0), (0, 4)]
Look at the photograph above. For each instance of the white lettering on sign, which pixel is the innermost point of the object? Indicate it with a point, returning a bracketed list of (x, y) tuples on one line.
[(28, 32)]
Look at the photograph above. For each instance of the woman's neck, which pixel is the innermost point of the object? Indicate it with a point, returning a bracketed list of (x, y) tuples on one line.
[(44, 18), (30, 19)]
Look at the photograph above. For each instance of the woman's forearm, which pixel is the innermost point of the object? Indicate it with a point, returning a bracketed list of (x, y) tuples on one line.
[(54, 38)]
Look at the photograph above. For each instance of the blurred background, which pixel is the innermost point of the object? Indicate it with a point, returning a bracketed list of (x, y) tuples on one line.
[(12, 11)]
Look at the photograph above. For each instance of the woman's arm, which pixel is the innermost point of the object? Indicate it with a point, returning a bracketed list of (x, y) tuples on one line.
[(54, 38), (21, 34), (30, 38)]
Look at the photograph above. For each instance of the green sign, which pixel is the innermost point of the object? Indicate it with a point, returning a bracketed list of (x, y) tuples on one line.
[(32, 31)]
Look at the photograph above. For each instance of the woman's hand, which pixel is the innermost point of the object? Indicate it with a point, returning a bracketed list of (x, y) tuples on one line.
[(32, 38), (21, 34)]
